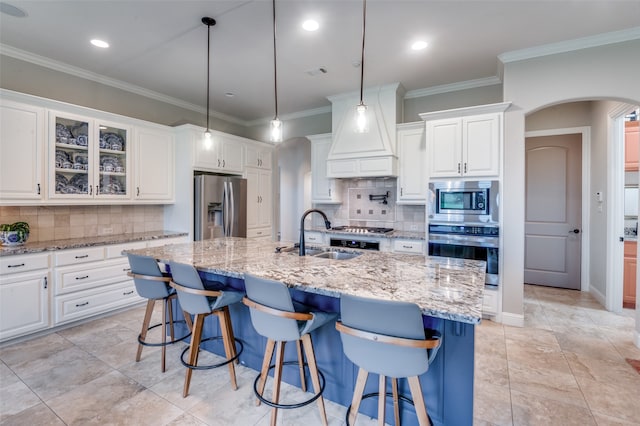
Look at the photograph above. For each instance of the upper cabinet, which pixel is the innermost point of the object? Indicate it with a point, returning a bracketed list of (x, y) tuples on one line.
[(219, 153), (465, 142), (258, 156), (88, 159), (631, 145), (324, 190), (412, 178), (154, 171), (22, 136)]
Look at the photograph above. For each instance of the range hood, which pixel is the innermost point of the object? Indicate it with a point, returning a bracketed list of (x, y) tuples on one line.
[(370, 154)]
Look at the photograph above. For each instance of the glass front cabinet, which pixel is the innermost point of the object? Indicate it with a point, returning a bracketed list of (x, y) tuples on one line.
[(88, 158)]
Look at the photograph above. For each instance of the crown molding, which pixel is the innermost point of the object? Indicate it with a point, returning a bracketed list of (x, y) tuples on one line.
[(571, 45), (98, 78), (453, 87)]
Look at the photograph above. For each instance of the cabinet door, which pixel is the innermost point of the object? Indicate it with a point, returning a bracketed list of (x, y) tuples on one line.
[(258, 157), (629, 288), (154, 169), (71, 162), (444, 140), (323, 189), (24, 303), (265, 198), (232, 155), (206, 151), (481, 145), (113, 155), (412, 181), (21, 151), (253, 199), (631, 145)]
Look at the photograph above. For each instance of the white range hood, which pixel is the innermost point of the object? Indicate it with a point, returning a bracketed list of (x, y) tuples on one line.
[(370, 154)]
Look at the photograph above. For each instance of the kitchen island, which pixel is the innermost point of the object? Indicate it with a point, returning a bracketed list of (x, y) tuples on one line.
[(449, 292)]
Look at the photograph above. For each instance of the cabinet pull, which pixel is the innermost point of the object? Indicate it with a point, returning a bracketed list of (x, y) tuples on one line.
[(84, 277), (401, 191), (38, 189), (45, 282), (458, 168), (223, 164), (81, 304), (329, 192), (465, 168), (126, 293), (259, 162), (407, 247), (84, 256), (90, 189), (126, 269), (218, 163), (259, 233), (16, 266)]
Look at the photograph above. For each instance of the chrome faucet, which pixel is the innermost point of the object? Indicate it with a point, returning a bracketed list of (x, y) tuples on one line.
[(304, 215)]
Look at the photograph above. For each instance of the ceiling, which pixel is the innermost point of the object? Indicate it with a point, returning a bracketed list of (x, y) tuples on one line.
[(161, 45)]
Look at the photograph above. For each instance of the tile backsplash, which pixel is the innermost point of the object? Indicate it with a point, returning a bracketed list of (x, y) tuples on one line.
[(357, 209), (61, 222)]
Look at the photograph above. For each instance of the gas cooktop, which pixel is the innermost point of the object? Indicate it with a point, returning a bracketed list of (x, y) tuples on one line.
[(362, 229)]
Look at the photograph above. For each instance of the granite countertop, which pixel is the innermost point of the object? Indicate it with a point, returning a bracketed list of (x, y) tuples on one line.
[(442, 287), (409, 235), (71, 243)]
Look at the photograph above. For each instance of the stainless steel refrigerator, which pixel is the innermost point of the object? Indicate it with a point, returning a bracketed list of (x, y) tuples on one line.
[(220, 207)]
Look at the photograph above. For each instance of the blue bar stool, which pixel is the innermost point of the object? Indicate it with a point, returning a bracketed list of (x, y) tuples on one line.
[(386, 338), (275, 317), (196, 300), (152, 284)]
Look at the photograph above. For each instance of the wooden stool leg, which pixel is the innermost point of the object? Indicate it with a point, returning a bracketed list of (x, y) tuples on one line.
[(264, 371), (232, 337), (225, 319), (187, 320), (315, 377), (382, 399), (357, 395), (145, 326), (277, 377), (396, 408), (418, 401), (303, 382), (193, 351)]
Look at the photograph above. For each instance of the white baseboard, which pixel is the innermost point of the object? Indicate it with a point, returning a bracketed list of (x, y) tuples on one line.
[(636, 338), (515, 320), (598, 296)]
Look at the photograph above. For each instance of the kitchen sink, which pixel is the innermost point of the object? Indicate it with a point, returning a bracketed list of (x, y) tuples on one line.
[(337, 255), (309, 251)]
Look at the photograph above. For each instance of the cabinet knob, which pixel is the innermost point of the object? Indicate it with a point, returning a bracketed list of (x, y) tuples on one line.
[(138, 191)]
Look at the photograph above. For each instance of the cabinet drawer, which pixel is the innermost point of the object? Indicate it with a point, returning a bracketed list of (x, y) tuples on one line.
[(314, 237), (408, 246), (73, 257), (115, 251), (23, 263), (74, 278), (165, 241), (259, 233), (490, 302), (84, 304)]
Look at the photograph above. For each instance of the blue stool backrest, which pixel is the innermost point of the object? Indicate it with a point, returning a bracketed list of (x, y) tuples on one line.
[(146, 265), (187, 276), (274, 295), (391, 318)]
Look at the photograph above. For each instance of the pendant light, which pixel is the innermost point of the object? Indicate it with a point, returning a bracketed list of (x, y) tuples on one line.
[(276, 123), (362, 125), (209, 22)]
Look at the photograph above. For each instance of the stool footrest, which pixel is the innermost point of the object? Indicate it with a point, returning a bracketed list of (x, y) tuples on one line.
[(210, 366), (374, 394), (289, 406), (169, 342)]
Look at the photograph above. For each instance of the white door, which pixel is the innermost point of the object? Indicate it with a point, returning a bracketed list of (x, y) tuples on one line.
[(553, 211)]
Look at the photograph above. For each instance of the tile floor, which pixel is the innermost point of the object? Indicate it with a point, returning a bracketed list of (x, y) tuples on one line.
[(565, 367)]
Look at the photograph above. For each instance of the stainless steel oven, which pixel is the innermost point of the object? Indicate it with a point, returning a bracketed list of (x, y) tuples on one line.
[(463, 201), (478, 242)]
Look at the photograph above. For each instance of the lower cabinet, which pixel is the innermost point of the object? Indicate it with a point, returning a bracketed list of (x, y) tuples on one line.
[(408, 246), (24, 295), (629, 274), (490, 301)]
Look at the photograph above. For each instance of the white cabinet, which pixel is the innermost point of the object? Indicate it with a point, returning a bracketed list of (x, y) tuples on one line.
[(89, 158), (154, 165), (314, 237), (259, 202), (219, 153), (408, 246), (490, 301), (412, 177), (465, 142), (22, 138), (258, 156), (323, 189), (24, 294)]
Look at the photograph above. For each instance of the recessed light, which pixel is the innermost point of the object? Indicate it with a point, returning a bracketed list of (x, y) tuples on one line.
[(310, 25), (99, 43), (419, 45), (11, 10)]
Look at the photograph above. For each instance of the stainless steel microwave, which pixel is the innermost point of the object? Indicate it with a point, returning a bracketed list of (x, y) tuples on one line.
[(463, 201)]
